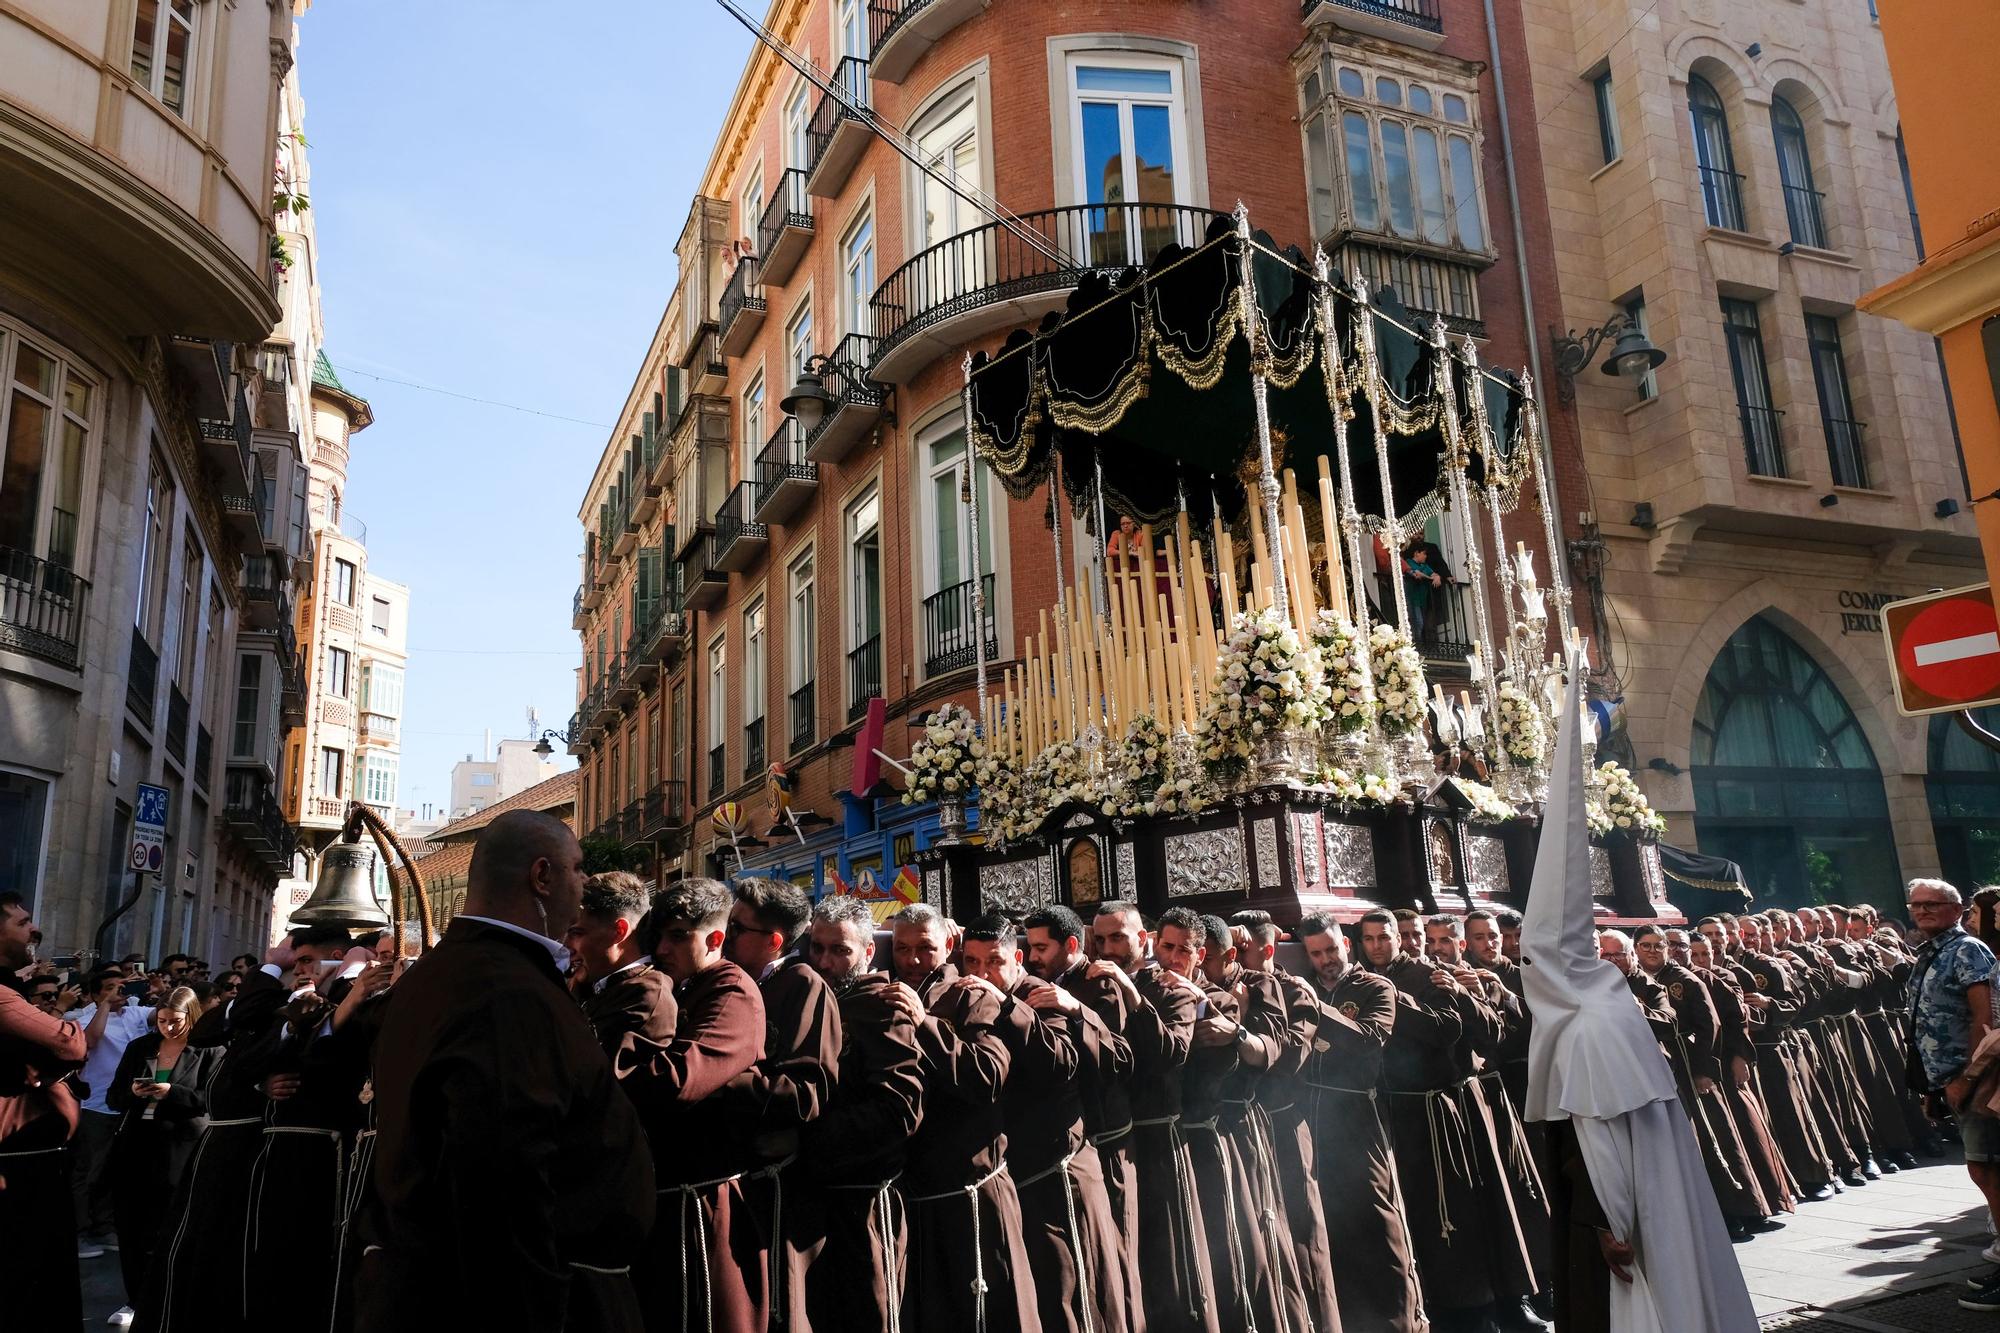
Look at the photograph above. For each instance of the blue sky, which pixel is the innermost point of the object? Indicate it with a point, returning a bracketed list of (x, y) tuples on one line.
[(498, 187)]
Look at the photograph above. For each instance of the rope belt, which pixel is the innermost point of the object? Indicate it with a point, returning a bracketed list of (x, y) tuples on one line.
[(1239, 1269), (1263, 1165), (1183, 1219), (232, 1124), (690, 1197), (24, 1154), (1111, 1135), (885, 1222), (359, 1163), (970, 1193), (775, 1279), (253, 1239), (1369, 1093), (1438, 1146), (1519, 1138), (1085, 1281)]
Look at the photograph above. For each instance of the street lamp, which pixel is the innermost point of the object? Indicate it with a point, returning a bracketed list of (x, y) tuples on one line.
[(542, 746), (1632, 358), (808, 399)]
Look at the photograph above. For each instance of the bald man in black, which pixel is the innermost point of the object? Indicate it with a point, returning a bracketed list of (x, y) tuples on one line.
[(513, 1186)]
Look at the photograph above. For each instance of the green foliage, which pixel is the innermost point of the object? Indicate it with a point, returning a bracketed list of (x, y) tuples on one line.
[(602, 853)]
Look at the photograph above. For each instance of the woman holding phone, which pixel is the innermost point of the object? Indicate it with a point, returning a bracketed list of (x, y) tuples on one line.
[(161, 1093)]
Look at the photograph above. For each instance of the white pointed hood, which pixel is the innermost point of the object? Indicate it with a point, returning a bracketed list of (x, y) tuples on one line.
[(1590, 1052)]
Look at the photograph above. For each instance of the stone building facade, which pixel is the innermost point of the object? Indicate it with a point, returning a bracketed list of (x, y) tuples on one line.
[(1729, 176)]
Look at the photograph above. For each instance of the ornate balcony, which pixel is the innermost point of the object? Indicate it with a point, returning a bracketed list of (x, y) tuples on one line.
[(1412, 22), (864, 676), (989, 278), (786, 478), (624, 690), (579, 614), (609, 705), (785, 231), (753, 749), (900, 31), (948, 621), (142, 679), (42, 606), (708, 371), (836, 136), (718, 775), (663, 810), (857, 400), (805, 721), (702, 585), (743, 307), (739, 538), (589, 725), (267, 602)]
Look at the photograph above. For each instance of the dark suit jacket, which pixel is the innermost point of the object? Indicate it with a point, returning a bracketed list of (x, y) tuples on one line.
[(505, 1151)]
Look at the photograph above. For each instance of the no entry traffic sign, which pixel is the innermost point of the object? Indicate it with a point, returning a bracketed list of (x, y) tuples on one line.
[(1944, 649)]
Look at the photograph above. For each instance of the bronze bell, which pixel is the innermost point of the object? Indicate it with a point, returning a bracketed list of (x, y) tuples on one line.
[(345, 893)]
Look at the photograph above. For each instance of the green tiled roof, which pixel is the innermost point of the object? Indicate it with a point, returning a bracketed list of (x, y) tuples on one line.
[(323, 372)]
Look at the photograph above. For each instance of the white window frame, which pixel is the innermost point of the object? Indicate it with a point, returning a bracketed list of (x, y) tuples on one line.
[(165, 19), (61, 419), (754, 434), (801, 620), (352, 574), (751, 201), (718, 693), (857, 265), (1335, 105), (339, 672), (799, 339), (850, 29), (338, 787), (756, 644), (1174, 100), (797, 118), (851, 530)]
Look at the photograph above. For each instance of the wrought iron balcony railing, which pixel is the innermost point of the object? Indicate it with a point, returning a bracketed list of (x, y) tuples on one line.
[(948, 621), (1722, 197), (142, 678), (805, 724), (864, 676), (1422, 14), (1805, 212), (1763, 439), (786, 478), (753, 749), (718, 780), (42, 606), (1844, 452), (177, 722), (785, 231), (836, 134), (741, 312)]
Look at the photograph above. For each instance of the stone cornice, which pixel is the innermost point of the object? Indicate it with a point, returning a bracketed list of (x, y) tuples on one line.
[(1957, 284)]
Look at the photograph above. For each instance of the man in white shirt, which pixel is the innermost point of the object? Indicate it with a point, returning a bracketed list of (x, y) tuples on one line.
[(110, 1023)]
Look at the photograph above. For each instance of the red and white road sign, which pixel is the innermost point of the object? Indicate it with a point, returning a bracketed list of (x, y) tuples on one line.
[(1944, 649)]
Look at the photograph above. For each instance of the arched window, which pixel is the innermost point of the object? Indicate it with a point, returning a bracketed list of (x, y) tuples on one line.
[(1802, 201), (1785, 783), (1963, 788), (1721, 187)]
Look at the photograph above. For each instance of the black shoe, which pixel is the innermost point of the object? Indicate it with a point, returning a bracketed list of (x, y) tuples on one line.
[(1986, 1279), (1739, 1230), (1888, 1165), (1854, 1178), (1986, 1298), (1520, 1315), (1766, 1225), (1870, 1170), (1905, 1161)]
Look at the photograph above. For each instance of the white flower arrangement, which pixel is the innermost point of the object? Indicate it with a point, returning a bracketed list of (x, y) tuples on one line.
[(1267, 680), (1350, 703), (944, 762), (1524, 727), (1358, 788), (1000, 798), (1142, 778), (1399, 680), (1060, 773), (1488, 807), (1616, 805)]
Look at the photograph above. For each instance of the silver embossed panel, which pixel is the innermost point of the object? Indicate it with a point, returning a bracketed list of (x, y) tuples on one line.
[(1210, 861), (1016, 887), (1486, 863), (1128, 873), (1350, 855), (934, 887), (1306, 837), (1600, 873), (1270, 874), (1649, 866)]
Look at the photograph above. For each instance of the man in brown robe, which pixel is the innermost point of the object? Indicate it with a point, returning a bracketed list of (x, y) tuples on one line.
[(1432, 1138), (1100, 1011), (706, 1260), (1739, 1070), (1846, 1142), (1880, 1084), (790, 1087), (1281, 1095), (1375, 1271), (968, 1262), (1072, 1242), (623, 994), (1177, 1286), (1827, 986), (513, 1187), (850, 1218)]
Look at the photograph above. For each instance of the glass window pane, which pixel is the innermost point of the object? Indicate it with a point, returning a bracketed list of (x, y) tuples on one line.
[(1153, 154), (173, 70), (76, 395), (1362, 199), (1388, 92), (1118, 79), (1465, 195), (1420, 99), (1396, 166), (1430, 185), (1310, 90), (1103, 165), (145, 33), (1319, 174), (36, 371), (1455, 110), (21, 471), (1351, 84)]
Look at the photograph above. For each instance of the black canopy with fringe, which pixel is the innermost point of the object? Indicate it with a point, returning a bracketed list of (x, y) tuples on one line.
[(1148, 370)]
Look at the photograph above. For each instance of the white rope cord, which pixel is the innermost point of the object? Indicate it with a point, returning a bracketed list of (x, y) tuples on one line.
[(1183, 1217), (1239, 1270), (1084, 1282), (774, 1277), (690, 1196), (971, 1196)]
